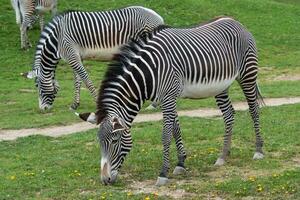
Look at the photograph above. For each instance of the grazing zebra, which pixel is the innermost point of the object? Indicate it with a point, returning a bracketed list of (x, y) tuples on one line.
[(195, 62), (76, 35), (25, 15)]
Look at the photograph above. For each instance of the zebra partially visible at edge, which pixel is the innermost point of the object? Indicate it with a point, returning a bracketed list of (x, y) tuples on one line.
[(197, 62), (26, 11), (75, 35)]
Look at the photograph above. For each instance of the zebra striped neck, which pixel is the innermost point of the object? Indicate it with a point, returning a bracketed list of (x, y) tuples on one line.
[(126, 85), (45, 59)]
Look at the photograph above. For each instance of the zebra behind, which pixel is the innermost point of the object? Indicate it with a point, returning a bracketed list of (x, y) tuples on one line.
[(25, 15), (74, 36), (197, 62)]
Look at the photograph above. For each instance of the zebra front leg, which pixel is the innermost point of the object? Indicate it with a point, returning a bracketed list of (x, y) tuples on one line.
[(169, 116), (75, 62), (181, 154), (77, 85), (227, 110), (166, 139)]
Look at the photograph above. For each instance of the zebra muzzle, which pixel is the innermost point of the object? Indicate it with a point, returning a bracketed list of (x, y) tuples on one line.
[(89, 117)]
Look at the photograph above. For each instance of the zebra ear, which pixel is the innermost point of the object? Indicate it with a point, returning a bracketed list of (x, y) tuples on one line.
[(117, 125), (89, 117)]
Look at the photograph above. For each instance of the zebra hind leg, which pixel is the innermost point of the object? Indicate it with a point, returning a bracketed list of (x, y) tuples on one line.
[(41, 18), (25, 44), (227, 110), (77, 85), (181, 154), (251, 92)]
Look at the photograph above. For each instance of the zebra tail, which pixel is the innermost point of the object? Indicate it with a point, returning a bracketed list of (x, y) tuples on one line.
[(259, 97)]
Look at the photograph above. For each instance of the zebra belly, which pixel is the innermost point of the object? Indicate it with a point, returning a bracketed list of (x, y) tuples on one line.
[(204, 90), (98, 53)]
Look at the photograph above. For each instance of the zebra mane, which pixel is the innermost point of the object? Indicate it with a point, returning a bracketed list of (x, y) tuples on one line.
[(115, 69)]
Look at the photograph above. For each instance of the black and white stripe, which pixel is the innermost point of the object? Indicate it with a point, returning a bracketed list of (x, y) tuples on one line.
[(75, 35), (196, 62), (26, 11)]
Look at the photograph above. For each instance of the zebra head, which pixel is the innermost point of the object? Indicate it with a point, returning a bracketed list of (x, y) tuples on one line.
[(115, 141), (47, 90)]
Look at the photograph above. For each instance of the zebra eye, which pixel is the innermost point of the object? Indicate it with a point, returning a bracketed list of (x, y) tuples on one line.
[(115, 140)]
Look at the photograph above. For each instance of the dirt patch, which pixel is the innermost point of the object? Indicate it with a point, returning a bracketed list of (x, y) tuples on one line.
[(26, 90), (148, 187), (288, 77), (57, 131)]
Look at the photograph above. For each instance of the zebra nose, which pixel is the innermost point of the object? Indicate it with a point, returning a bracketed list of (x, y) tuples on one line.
[(105, 175), (105, 170)]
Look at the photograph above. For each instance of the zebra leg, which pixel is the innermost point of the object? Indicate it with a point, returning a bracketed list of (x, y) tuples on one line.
[(169, 116), (75, 61), (54, 8), (25, 44), (82, 73), (41, 17), (250, 91), (77, 85), (181, 154), (227, 110)]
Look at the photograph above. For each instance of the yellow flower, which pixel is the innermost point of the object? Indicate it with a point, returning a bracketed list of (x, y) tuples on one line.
[(129, 193), (13, 177), (259, 188), (147, 198), (251, 178)]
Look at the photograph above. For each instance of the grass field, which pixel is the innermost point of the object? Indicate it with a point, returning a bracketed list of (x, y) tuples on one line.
[(68, 167), (277, 39)]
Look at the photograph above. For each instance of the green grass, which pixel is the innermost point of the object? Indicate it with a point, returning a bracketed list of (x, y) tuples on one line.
[(277, 39), (40, 167)]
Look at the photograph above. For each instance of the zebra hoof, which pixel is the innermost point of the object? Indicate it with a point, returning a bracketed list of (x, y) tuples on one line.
[(258, 156), (220, 162), (74, 106), (161, 181), (179, 170)]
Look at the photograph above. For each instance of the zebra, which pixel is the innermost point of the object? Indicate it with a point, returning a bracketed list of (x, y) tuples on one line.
[(25, 15), (75, 35), (196, 62)]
